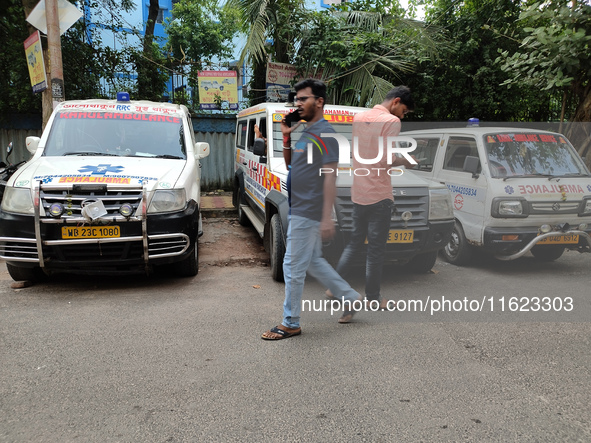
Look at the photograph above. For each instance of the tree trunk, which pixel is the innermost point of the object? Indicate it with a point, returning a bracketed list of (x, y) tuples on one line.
[(579, 129), (145, 68)]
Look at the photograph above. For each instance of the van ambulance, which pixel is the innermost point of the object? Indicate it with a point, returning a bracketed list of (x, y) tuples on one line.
[(113, 187), (514, 190)]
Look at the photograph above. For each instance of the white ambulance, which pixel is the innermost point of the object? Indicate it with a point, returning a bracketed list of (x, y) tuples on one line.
[(422, 219), (514, 190), (113, 187)]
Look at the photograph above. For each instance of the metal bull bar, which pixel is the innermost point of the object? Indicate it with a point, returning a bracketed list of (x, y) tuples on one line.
[(540, 237)]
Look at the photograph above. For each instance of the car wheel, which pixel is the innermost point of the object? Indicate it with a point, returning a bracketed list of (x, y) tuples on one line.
[(276, 248), (221, 88), (19, 273), (457, 251), (547, 253), (189, 267), (422, 263)]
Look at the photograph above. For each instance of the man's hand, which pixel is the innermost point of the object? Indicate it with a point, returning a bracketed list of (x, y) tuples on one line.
[(327, 230)]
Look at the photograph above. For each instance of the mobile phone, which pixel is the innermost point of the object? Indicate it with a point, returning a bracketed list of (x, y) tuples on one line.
[(293, 117)]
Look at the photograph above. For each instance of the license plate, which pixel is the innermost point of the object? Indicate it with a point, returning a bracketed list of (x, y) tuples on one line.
[(400, 236), (91, 232), (560, 240)]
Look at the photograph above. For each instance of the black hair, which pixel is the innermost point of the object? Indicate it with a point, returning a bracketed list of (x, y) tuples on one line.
[(403, 92), (318, 87)]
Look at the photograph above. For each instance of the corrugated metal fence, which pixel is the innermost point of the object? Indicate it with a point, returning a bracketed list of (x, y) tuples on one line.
[(217, 170)]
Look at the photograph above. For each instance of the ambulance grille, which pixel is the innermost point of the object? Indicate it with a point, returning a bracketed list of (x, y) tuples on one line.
[(72, 200), (415, 200)]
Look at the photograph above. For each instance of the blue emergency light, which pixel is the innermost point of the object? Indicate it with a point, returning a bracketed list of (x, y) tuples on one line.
[(123, 96), (473, 122)]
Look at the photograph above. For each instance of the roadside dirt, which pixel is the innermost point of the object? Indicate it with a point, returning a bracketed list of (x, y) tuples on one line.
[(225, 242)]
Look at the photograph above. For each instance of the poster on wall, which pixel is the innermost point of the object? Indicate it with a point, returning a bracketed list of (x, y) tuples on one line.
[(218, 87), (35, 62), (279, 79)]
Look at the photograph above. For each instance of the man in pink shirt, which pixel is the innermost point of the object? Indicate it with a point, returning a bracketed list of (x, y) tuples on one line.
[(372, 194)]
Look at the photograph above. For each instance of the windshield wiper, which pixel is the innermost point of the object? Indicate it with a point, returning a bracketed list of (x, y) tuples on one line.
[(175, 157), (535, 175), (100, 154)]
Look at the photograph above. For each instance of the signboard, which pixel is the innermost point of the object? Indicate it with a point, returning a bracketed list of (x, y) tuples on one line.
[(216, 87), (35, 63), (279, 78), (68, 15)]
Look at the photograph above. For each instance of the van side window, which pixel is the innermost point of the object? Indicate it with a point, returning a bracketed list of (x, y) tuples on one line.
[(250, 139), (241, 135), (458, 148), (425, 152)]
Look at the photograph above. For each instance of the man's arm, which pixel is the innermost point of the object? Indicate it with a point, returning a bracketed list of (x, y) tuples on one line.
[(329, 194)]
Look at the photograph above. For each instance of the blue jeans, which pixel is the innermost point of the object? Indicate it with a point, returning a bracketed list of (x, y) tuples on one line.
[(371, 222), (304, 253)]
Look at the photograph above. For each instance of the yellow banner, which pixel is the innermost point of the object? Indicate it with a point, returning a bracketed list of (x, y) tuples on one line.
[(35, 62)]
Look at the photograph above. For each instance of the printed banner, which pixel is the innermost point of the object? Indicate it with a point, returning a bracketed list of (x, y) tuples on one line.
[(279, 79), (217, 86), (35, 62)]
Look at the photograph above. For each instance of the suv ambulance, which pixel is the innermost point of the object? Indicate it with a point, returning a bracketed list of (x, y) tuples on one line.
[(514, 190), (112, 187), (422, 219)]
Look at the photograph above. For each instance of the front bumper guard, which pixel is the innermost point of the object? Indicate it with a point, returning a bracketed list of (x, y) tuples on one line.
[(531, 244)]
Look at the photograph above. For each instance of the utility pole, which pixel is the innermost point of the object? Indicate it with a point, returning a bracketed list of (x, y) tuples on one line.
[(46, 98), (55, 52)]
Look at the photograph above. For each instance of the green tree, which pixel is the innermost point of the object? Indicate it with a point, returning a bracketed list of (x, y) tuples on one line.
[(465, 80), (198, 32), (272, 28), (361, 49), (555, 55)]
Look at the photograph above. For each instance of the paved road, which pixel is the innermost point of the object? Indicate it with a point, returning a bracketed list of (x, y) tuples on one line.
[(180, 360)]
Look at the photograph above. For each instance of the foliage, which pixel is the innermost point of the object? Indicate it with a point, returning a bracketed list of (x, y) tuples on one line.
[(90, 68), (361, 48), (464, 81), (198, 32), (272, 29), (555, 53)]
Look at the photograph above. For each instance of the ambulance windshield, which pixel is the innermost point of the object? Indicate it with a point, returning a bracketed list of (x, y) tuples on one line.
[(113, 134), (532, 155)]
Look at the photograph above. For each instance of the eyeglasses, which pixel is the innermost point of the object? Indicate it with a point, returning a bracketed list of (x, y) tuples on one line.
[(303, 98)]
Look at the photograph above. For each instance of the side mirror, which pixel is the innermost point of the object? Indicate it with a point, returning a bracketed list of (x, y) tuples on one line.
[(259, 147), (32, 144), (201, 150), (471, 164)]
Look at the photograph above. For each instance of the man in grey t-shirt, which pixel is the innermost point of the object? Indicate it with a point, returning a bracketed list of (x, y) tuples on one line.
[(313, 191)]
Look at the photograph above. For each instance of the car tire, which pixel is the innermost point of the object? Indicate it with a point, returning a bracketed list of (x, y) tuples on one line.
[(457, 252), (221, 88), (189, 267), (19, 273), (276, 248), (547, 253), (422, 263)]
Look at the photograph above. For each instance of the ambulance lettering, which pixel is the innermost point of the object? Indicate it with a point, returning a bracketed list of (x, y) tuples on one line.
[(550, 189)]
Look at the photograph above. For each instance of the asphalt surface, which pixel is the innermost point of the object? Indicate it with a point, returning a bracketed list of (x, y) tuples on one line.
[(161, 359)]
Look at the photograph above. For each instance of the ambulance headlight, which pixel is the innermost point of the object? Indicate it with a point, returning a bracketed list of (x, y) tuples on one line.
[(56, 210), (544, 229), (18, 201), (167, 200), (507, 208), (585, 207), (126, 210), (440, 204)]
